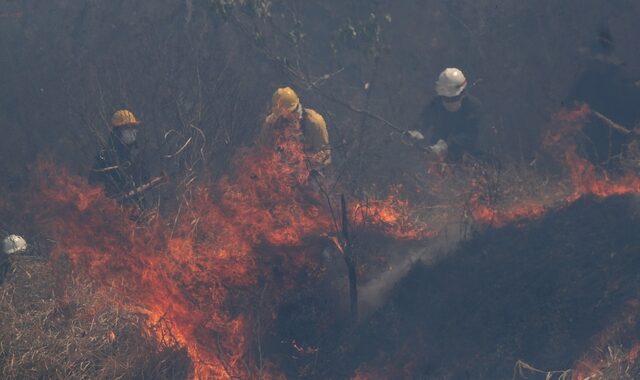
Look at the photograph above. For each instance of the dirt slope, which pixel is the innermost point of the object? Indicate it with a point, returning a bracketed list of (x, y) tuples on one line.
[(547, 293)]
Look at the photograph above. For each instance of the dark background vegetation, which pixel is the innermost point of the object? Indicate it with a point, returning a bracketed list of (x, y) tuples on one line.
[(67, 65)]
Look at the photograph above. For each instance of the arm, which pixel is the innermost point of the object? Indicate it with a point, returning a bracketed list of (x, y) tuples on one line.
[(106, 172), (101, 168), (318, 138), (420, 129), (428, 134), (265, 138), (431, 124)]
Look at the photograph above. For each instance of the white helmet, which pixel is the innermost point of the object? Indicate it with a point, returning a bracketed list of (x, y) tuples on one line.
[(451, 82), (14, 244)]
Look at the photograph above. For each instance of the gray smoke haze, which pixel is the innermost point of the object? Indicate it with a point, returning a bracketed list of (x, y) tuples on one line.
[(375, 292)]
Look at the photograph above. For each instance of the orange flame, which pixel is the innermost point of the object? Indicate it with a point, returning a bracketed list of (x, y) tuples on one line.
[(583, 176), (616, 331), (194, 276), (391, 215)]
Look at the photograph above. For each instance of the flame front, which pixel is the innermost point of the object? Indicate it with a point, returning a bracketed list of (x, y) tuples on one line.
[(195, 275), (584, 178)]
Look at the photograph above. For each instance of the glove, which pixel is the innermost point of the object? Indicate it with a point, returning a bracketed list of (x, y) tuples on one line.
[(415, 134), (439, 148)]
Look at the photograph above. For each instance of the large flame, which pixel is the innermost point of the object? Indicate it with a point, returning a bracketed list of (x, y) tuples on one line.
[(178, 277), (196, 275), (584, 178)]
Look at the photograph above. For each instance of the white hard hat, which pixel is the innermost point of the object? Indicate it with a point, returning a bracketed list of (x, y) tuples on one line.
[(14, 244), (451, 82), (440, 147)]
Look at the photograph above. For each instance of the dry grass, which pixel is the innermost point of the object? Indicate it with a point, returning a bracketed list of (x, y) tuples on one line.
[(74, 334), (614, 363)]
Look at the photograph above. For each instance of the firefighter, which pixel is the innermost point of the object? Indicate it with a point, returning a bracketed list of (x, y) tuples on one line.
[(11, 245), (451, 122), (613, 100), (120, 167), (286, 111)]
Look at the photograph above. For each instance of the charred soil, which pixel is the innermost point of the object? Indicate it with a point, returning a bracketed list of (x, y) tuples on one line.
[(541, 292)]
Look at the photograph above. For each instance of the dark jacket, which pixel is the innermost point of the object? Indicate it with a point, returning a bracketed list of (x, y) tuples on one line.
[(458, 129), (606, 89), (119, 168), (5, 266)]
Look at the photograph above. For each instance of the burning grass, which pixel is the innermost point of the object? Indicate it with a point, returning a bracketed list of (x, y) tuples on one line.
[(197, 276), (78, 334), (544, 291), (613, 363), (196, 282)]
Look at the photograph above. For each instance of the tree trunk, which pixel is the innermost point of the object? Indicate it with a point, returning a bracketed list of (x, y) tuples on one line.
[(351, 261)]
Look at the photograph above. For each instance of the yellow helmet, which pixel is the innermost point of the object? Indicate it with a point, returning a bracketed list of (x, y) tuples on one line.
[(284, 100), (122, 118)]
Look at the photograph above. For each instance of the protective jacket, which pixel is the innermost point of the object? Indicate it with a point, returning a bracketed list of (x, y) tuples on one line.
[(458, 129), (5, 266), (314, 136), (119, 168)]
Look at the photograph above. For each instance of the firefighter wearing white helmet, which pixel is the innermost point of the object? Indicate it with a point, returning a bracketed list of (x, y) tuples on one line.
[(450, 122), (286, 110), (12, 244)]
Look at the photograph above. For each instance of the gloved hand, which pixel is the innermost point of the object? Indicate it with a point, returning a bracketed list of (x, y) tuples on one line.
[(321, 158), (414, 134), (439, 148)]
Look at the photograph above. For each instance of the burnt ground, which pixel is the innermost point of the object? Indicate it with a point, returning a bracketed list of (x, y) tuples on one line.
[(541, 292)]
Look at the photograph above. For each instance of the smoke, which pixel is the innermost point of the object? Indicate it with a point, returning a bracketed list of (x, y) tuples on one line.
[(375, 292)]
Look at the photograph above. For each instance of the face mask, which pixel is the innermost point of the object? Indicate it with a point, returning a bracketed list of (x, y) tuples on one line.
[(294, 115), (128, 136)]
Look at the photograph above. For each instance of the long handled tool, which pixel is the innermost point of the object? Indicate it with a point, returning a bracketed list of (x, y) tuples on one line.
[(155, 181), (612, 124)]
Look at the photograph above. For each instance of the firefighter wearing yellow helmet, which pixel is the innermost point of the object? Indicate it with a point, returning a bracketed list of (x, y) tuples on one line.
[(119, 167), (286, 108), (123, 118)]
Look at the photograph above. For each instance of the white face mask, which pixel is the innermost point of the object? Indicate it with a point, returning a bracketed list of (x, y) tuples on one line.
[(128, 136), (294, 115)]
